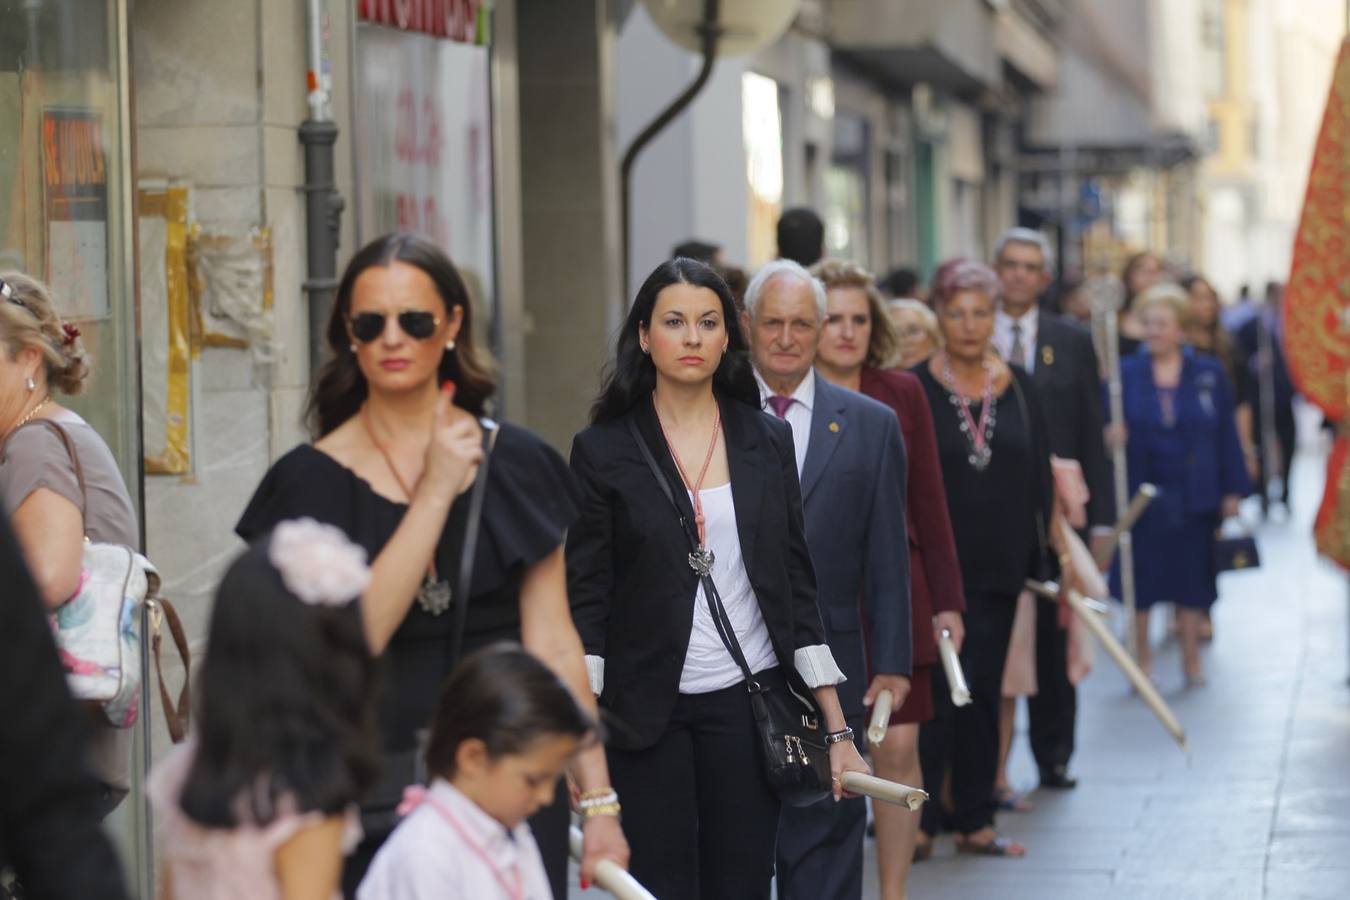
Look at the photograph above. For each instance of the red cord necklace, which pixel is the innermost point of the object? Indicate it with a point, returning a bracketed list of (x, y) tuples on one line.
[(701, 560)]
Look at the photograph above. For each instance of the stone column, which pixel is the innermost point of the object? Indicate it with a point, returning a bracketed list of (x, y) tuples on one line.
[(568, 210)]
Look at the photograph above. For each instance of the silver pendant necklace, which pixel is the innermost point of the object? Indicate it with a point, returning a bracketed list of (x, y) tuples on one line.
[(979, 435), (434, 595), (702, 558)]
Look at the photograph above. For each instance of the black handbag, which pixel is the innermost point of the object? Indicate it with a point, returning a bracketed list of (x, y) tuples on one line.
[(1233, 554), (401, 768), (791, 740)]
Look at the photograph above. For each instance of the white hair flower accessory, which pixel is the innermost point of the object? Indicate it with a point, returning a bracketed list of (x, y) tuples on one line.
[(318, 563)]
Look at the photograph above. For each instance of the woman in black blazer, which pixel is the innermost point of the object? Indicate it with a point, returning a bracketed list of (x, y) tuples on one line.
[(699, 813)]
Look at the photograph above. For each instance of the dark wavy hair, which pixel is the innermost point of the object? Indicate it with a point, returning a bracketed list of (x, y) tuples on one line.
[(631, 376), (506, 698), (285, 704), (340, 388)]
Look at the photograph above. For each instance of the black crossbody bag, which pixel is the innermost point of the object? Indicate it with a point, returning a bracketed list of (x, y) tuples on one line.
[(791, 742)]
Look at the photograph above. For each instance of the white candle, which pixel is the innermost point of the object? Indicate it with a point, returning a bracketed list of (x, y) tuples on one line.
[(951, 664), (881, 789), (609, 875), (1083, 608), (881, 717)]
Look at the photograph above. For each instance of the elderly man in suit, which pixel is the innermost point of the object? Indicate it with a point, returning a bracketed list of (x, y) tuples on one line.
[(1059, 356), (851, 458)]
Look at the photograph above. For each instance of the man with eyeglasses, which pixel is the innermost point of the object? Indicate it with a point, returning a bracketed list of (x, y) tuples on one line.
[(1059, 356)]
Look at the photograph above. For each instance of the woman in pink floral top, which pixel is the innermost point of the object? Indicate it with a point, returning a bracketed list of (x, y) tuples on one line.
[(260, 802)]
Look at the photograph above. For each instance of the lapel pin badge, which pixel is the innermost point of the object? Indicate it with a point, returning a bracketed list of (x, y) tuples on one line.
[(1048, 355), (834, 427)]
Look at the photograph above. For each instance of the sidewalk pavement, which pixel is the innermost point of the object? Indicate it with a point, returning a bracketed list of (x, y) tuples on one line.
[(1260, 808)]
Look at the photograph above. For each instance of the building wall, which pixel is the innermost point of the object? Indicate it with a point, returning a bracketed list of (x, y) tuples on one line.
[(1278, 60), (219, 117)]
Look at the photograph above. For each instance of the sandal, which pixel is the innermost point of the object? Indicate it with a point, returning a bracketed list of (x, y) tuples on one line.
[(1008, 800), (998, 846)]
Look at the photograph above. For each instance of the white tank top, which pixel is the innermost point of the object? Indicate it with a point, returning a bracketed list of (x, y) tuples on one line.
[(708, 665)]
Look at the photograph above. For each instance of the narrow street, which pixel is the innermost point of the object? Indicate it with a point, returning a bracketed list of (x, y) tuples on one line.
[(1260, 808)]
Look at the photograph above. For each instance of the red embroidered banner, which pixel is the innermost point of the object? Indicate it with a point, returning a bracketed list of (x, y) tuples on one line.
[(1317, 305)]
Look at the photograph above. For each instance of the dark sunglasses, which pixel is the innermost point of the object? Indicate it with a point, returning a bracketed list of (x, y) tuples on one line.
[(416, 324)]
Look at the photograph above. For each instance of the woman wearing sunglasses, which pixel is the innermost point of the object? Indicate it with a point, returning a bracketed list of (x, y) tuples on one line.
[(397, 416)]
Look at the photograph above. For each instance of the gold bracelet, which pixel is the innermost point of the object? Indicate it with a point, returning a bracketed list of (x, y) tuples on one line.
[(604, 809)]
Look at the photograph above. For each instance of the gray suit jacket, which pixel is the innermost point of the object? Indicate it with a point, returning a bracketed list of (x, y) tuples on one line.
[(853, 492)]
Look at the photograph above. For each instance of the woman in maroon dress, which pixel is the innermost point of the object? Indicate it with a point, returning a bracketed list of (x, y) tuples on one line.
[(856, 345)]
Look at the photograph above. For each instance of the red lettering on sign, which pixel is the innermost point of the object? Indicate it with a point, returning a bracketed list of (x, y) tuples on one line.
[(454, 19)]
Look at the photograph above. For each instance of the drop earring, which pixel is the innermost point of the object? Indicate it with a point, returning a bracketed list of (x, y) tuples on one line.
[(30, 384)]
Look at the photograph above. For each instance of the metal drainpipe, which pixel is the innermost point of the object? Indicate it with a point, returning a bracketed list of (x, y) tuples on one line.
[(709, 30), (323, 203)]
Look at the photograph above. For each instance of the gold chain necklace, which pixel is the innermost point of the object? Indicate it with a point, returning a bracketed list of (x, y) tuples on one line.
[(33, 412)]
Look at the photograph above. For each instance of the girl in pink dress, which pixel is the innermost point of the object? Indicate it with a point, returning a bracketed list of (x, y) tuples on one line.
[(505, 728), (260, 801)]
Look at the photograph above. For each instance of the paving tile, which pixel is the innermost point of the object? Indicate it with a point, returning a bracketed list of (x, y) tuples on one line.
[(1312, 851), (1327, 884)]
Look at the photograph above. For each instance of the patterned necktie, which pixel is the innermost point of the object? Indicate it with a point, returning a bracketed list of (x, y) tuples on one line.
[(780, 405), (1018, 354)]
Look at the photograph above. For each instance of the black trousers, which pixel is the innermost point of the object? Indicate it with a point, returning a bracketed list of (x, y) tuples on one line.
[(820, 847), (1054, 708), (964, 740), (699, 814)]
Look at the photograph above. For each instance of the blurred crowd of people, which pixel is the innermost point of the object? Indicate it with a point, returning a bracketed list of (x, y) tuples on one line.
[(793, 490)]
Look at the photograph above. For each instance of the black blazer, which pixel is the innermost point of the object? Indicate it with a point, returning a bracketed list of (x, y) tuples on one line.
[(1068, 381), (628, 578)]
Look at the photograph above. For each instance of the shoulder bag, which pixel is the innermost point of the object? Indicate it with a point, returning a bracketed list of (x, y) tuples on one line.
[(99, 630), (791, 742)]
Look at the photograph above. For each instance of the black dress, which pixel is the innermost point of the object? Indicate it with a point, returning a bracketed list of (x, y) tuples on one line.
[(998, 518), (530, 502)]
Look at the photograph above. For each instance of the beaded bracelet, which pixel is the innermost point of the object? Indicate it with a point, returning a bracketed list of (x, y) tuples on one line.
[(602, 809), (598, 799)]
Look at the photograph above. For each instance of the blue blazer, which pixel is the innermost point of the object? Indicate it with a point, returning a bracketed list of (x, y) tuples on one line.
[(853, 494), (1207, 424)]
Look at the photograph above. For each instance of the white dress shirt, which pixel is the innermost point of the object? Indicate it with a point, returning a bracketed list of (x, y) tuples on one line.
[(1003, 337), (798, 414), (428, 857), (708, 665)]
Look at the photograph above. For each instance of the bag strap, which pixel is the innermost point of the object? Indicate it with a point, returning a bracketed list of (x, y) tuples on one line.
[(1042, 533), (465, 580), (70, 451), (176, 715), (721, 620)]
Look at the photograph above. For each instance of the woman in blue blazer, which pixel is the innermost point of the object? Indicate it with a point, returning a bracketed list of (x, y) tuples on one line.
[(1181, 430)]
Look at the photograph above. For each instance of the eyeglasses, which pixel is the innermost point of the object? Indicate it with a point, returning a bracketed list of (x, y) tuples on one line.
[(416, 323)]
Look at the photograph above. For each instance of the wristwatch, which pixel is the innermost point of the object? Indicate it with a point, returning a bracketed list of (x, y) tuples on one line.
[(838, 737)]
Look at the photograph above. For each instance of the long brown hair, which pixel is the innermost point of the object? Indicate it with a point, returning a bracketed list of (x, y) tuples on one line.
[(884, 345), (340, 388)]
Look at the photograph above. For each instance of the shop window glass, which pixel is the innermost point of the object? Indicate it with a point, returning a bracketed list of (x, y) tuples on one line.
[(762, 132), (423, 131), (64, 218)]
